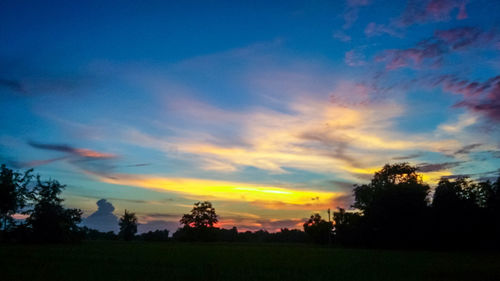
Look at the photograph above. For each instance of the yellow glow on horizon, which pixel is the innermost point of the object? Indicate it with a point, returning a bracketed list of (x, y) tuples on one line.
[(200, 189)]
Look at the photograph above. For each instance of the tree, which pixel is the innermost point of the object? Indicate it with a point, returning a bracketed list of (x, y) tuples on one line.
[(318, 229), (198, 224), (394, 205), (14, 194), (49, 220), (128, 226), (347, 228), (202, 216), (460, 214)]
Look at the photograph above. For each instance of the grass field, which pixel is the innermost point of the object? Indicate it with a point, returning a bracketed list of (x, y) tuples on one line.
[(172, 261)]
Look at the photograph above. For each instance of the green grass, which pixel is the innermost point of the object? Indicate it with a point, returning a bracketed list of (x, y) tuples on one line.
[(174, 261)]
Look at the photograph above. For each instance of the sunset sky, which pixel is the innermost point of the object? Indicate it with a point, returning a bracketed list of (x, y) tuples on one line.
[(271, 111)]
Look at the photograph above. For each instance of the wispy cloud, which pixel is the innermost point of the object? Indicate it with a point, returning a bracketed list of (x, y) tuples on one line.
[(431, 50), (82, 152), (418, 11), (478, 96)]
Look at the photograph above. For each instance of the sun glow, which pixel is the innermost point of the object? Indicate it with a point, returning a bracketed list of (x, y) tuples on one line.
[(270, 197)]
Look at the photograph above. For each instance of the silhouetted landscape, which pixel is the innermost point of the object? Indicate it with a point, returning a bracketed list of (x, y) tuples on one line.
[(395, 215)]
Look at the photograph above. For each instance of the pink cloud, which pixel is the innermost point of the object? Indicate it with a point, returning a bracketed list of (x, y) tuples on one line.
[(481, 97), (434, 48), (432, 11)]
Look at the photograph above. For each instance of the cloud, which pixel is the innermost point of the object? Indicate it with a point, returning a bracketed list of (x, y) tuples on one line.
[(12, 85), (342, 36), (432, 49), (81, 152), (484, 176), (467, 149), (36, 163), (422, 11), (88, 160), (374, 29), (425, 167), (407, 157), (478, 96), (351, 12), (103, 219), (354, 58)]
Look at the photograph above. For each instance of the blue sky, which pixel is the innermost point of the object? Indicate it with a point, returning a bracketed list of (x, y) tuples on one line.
[(270, 110)]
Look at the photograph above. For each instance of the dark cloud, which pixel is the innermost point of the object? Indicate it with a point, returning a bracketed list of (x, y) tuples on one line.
[(407, 157), (330, 146), (103, 219), (82, 152), (12, 85), (426, 167), (91, 161), (490, 175), (467, 149)]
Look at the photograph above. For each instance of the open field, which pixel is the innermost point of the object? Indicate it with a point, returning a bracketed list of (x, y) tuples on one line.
[(173, 261)]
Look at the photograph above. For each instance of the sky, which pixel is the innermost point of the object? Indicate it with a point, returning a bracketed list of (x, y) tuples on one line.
[(271, 110)]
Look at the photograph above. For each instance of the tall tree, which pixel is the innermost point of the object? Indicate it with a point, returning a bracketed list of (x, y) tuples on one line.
[(14, 194), (460, 213), (49, 220), (128, 226), (394, 205), (202, 216)]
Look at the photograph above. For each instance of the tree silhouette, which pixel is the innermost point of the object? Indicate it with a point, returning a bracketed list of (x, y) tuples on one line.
[(199, 224), (49, 220), (460, 212), (128, 226), (318, 229), (202, 216), (347, 227), (394, 205), (14, 194)]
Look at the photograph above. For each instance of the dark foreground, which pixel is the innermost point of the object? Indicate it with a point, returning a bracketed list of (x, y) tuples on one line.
[(171, 261)]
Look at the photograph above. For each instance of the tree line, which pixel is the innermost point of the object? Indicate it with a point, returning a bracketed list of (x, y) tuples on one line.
[(395, 210)]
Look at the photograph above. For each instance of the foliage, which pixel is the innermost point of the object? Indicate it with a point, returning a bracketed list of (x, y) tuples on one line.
[(93, 234), (464, 213), (394, 206), (319, 230), (202, 215), (348, 228), (128, 226), (14, 195), (157, 235), (49, 221), (198, 224)]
